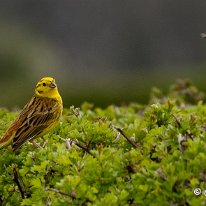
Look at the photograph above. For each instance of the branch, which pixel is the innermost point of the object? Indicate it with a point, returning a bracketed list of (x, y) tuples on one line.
[(69, 143), (86, 149), (127, 138), (17, 180), (177, 121), (48, 175), (48, 201), (73, 196)]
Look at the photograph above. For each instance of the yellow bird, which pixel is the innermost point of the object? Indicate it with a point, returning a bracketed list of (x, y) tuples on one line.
[(38, 117)]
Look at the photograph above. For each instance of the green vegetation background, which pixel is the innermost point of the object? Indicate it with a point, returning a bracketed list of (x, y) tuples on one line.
[(152, 154)]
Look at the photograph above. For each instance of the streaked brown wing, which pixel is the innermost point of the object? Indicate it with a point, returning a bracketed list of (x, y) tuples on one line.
[(35, 118), (7, 138), (34, 132)]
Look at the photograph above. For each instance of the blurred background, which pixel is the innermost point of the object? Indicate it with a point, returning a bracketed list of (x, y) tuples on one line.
[(106, 51)]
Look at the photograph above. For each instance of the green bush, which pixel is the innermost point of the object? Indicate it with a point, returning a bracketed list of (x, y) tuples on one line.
[(122, 155)]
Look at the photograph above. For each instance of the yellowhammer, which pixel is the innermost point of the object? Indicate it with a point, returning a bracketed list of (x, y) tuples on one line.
[(39, 115)]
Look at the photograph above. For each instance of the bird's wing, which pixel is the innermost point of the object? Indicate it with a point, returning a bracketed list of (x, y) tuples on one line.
[(33, 122), (7, 138)]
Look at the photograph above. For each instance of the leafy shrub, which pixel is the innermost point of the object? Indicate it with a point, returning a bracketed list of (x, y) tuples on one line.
[(121, 155)]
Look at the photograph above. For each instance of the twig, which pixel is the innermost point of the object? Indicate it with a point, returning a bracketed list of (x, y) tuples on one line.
[(17, 180), (203, 127), (177, 121), (83, 147), (35, 144), (73, 196), (126, 137), (48, 201), (69, 143), (48, 175)]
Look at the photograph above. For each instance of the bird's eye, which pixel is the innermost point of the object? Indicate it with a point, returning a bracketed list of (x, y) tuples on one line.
[(44, 84)]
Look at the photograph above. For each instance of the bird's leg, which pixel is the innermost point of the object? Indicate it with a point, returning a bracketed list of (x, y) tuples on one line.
[(35, 144), (38, 145)]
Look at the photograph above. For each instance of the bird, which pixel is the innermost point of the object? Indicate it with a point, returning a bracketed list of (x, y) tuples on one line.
[(38, 117)]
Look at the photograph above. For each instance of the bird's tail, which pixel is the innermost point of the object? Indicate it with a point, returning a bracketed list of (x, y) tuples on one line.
[(6, 139)]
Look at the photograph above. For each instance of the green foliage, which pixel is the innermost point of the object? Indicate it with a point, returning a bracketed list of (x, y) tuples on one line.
[(129, 155)]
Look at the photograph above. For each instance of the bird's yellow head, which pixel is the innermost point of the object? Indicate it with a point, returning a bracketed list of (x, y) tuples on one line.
[(46, 87)]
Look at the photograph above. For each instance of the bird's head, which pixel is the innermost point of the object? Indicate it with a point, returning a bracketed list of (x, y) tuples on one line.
[(46, 87)]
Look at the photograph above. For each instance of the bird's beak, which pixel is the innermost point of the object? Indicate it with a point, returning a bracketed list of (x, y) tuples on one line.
[(53, 85)]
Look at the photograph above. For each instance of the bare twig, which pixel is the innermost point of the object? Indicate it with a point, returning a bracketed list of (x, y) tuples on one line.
[(48, 175), (86, 149), (69, 143), (126, 137), (177, 121), (203, 127), (35, 144), (48, 201), (19, 182), (73, 196)]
